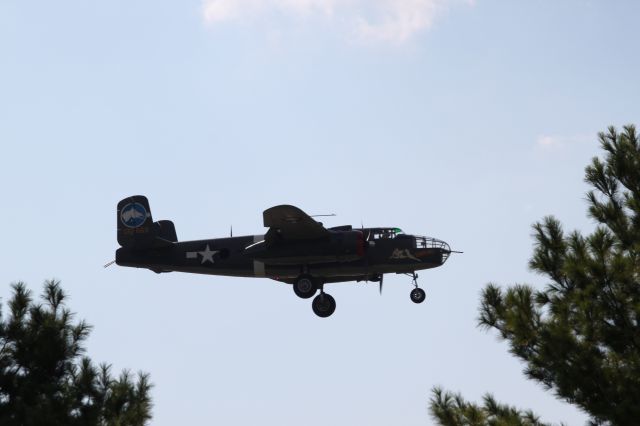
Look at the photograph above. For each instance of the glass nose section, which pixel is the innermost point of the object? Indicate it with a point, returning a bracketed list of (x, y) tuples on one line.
[(433, 243)]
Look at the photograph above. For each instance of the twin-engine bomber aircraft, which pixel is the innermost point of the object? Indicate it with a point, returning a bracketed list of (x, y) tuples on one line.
[(295, 250)]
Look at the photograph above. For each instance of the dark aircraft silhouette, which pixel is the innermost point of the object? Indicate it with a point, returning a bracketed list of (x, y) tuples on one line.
[(295, 250)]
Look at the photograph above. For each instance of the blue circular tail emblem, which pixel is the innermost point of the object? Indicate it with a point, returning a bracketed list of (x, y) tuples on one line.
[(133, 215)]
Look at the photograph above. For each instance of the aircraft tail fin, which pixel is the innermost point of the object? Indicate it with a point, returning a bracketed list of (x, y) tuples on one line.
[(136, 228)]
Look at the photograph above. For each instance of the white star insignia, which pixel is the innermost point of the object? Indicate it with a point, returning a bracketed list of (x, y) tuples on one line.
[(207, 254)]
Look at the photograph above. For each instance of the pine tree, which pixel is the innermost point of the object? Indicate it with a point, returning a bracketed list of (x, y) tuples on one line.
[(580, 336), (45, 378), (452, 410)]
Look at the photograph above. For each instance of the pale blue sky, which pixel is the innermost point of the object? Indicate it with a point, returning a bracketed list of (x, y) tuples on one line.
[(466, 121)]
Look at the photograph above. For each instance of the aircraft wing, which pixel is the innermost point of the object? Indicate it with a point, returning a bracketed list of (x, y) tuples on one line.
[(291, 223)]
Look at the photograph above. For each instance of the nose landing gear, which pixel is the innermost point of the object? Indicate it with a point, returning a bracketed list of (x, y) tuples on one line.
[(417, 295)]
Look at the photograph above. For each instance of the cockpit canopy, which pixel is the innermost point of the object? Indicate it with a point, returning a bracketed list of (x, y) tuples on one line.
[(384, 233), (372, 234)]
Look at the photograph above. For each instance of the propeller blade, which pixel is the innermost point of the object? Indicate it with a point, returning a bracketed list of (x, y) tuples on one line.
[(362, 229), (110, 263), (381, 281)]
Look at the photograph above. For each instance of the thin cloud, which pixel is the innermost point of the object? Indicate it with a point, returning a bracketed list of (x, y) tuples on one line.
[(228, 10), (394, 21), (548, 141), (559, 141), (399, 20)]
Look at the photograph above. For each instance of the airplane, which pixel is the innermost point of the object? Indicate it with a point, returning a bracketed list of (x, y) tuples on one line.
[(295, 250)]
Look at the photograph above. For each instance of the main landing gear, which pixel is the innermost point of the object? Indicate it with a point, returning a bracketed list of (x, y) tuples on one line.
[(417, 294), (305, 287), (323, 305)]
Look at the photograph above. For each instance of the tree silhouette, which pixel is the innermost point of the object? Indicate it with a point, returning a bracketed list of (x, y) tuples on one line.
[(451, 409), (580, 336), (45, 378)]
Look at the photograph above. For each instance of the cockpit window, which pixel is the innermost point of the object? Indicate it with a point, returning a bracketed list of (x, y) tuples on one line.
[(386, 233)]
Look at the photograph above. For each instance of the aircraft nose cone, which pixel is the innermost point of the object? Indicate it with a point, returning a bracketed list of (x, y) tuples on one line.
[(445, 250)]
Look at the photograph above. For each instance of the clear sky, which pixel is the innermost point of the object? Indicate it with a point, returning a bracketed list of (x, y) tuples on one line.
[(463, 120)]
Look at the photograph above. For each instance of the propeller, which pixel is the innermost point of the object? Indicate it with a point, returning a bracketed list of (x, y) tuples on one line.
[(362, 230), (110, 263), (381, 282)]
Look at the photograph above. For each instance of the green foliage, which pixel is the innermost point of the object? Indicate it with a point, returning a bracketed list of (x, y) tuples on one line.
[(580, 336), (450, 409), (45, 378)]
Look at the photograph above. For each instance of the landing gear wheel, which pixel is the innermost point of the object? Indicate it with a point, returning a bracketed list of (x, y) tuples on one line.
[(323, 305), (418, 295), (304, 286)]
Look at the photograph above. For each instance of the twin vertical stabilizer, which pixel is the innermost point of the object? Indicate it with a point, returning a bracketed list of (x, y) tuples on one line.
[(136, 228)]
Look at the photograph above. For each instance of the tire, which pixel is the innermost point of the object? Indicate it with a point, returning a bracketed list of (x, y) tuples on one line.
[(324, 305), (305, 286), (418, 295)]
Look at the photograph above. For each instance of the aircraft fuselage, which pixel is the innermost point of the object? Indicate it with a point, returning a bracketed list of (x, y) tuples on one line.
[(251, 256), (296, 250)]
